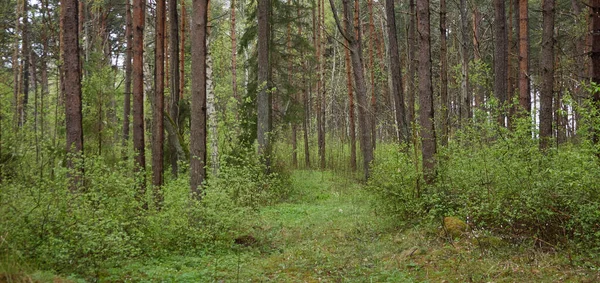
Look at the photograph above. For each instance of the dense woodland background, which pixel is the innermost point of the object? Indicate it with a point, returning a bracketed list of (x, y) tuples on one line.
[(137, 129)]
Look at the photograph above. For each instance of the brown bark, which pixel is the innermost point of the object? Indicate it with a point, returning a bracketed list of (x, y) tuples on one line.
[(412, 66), (396, 74), (158, 131), (373, 109), (524, 88), (320, 85), (198, 103), (174, 85), (25, 66), (352, 123), (264, 97), (595, 58), (234, 55), (500, 55), (139, 19), (128, 70), (182, 56), (72, 89), (547, 65), (426, 114), (465, 104), (17, 67)]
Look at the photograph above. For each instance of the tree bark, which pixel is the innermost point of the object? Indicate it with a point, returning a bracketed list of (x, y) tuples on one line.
[(595, 58), (263, 100), (174, 85), (547, 65), (396, 72), (524, 90), (445, 105), (500, 55), (128, 70), (465, 108), (351, 122), (158, 131), (72, 89), (198, 107), (426, 114), (139, 20)]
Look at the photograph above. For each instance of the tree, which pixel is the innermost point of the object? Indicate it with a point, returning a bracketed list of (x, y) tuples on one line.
[(426, 114), (198, 107), (354, 44), (71, 70), (158, 131), (595, 56), (351, 110), (500, 54), (174, 86), (139, 18), (263, 100), (524, 93), (444, 74), (465, 103), (547, 65), (128, 70), (395, 68)]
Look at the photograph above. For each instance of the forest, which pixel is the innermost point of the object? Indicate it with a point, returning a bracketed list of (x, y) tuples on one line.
[(299, 141)]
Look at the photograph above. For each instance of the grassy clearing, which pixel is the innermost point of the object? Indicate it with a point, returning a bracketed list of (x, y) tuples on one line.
[(329, 232)]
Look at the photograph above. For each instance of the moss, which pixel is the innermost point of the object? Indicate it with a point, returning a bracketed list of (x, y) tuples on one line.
[(454, 227)]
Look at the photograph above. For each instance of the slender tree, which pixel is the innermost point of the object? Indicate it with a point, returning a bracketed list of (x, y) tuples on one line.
[(426, 114), (524, 90), (263, 100), (351, 110), (198, 109), (396, 74), (174, 85), (595, 58), (465, 103), (139, 19), (128, 70), (500, 54), (444, 74), (72, 88), (547, 64), (158, 131)]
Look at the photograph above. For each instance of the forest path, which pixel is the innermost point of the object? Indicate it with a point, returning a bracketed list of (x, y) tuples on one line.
[(326, 232)]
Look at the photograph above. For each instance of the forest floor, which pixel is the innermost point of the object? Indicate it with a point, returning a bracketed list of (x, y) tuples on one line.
[(329, 232)]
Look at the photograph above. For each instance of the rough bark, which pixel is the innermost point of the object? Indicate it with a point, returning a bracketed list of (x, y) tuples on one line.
[(72, 89), (139, 21), (500, 55), (465, 104), (234, 55), (373, 109), (174, 85), (547, 65), (263, 100), (426, 114), (445, 105), (198, 103), (524, 89), (158, 131), (412, 66), (595, 58), (211, 113), (351, 122), (396, 72), (128, 70)]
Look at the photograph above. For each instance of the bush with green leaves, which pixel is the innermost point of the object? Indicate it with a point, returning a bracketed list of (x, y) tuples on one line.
[(502, 182)]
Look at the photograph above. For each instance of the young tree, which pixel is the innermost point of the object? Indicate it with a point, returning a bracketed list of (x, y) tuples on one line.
[(158, 132), (72, 87), (547, 64), (198, 107), (426, 114), (595, 56), (444, 74), (128, 70), (351, 110), (465, 103), (174, 87), (396, 74)]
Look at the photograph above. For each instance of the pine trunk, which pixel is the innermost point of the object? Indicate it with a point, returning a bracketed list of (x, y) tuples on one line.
[(547, 65), (139, 19)]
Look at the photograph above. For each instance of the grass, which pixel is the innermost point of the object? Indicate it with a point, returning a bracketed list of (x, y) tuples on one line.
[(329, 232)]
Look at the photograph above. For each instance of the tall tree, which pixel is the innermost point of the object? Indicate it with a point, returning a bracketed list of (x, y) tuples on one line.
[(547, 65), (263, 101), (595, 56), (174, 85), (158, 131), (72, 87), (25, 65), (445, 105), (351, 122), (412, 65), (354, 44), (320, 83), (198, 107), (426, 114), (128, 70), (465, 103), (500, 54), (524, 92), (139, 21), (234, 54), (396, 72), (371, 62)]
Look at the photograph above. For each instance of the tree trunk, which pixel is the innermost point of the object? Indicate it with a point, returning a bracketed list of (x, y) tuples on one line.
[(445, 105), (72, 90), (175, 85), (17, 68), (426, 114), (139, 19), (127, 63), (25, 69), (500, 56), (547, 65), (211, 112), (158, 131), (396, 72), (412, 68), (595, 58), (350, 108), (524, 91), (320, 85), (198, 107), (372, 46), (465, 108), (263, 100), (182, 59)]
